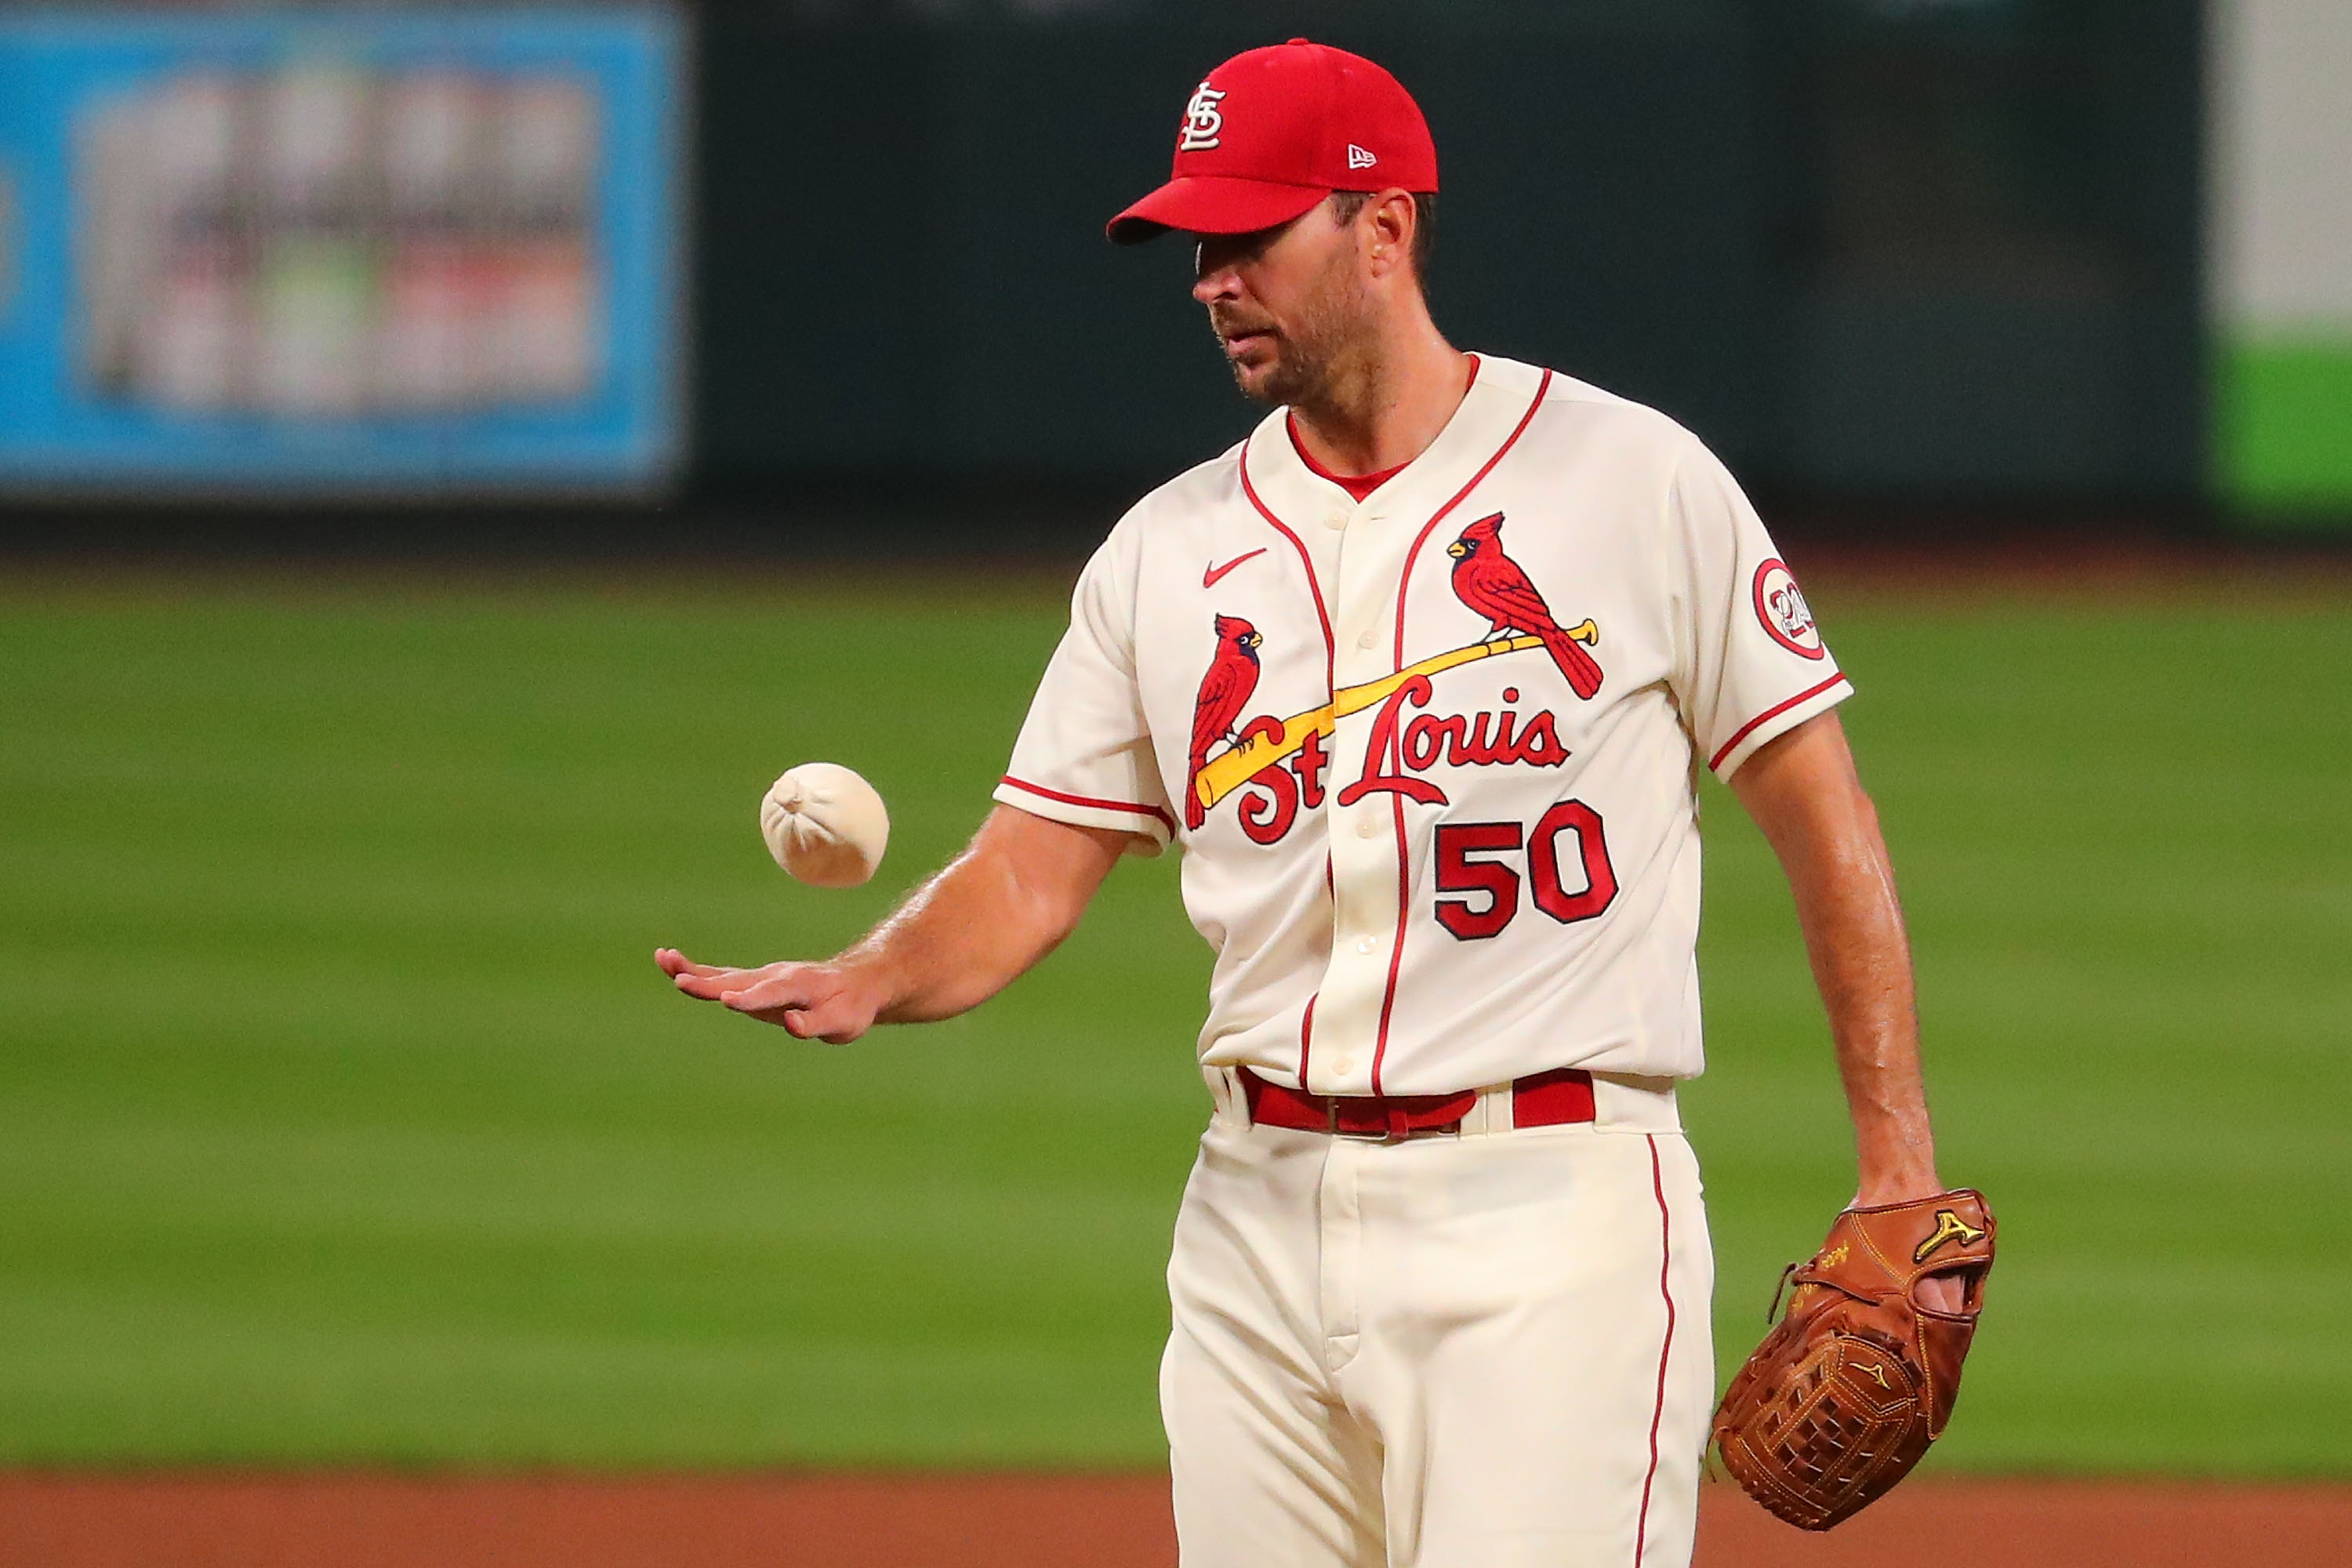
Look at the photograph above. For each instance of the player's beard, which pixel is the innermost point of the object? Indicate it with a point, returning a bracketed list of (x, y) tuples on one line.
[(1319, 354)]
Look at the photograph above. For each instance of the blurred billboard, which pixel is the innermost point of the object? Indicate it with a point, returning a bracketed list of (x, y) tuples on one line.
[(433, 250)]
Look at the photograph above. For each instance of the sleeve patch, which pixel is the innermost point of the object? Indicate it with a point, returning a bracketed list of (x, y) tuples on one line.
[(1780, 606)]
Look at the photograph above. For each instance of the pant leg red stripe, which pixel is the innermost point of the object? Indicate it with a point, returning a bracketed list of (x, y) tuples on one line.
[(1665, 1289)]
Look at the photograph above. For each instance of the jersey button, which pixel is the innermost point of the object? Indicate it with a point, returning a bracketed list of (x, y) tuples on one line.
[(1335, 519), (1365, 944), (1369, 640), (1368, 826), (1343, 1064)]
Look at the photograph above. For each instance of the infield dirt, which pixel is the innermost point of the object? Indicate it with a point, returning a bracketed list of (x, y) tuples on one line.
[(999, 1522)]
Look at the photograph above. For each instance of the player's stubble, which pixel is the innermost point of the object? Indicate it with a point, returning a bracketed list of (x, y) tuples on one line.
[(1322, 356)]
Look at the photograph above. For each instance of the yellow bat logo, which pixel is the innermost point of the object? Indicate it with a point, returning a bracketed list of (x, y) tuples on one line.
[(1949, 1227), (1232, 769)]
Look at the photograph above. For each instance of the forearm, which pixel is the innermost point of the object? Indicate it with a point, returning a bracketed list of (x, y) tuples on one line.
[(1821, 824), (1852, 924), (998, 908), (982, 922), (961, 937)]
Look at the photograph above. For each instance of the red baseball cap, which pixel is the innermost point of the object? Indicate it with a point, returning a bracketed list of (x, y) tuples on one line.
[(1273, 132)]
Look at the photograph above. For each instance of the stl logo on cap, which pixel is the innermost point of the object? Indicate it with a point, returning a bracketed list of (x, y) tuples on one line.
[(1202, 123), (1307, 119)]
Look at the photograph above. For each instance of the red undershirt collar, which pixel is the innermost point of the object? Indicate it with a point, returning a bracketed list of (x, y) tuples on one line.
[(1357, 486)]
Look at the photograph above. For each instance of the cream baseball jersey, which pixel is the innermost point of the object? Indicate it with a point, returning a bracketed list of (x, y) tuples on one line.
[(1432, 755)]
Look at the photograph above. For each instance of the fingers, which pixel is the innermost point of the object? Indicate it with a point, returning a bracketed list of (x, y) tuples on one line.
[(764, 990), (712, 984), (834, 1025), (674, 963), (805, 1000)]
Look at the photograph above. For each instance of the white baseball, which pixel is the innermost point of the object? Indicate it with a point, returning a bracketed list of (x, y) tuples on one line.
[(824, 824)]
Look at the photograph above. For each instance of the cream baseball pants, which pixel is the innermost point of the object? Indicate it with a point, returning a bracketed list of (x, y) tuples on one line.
[(1475, 1351)]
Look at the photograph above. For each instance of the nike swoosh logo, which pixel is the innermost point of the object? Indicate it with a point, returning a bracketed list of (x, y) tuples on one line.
[(1211, 575)]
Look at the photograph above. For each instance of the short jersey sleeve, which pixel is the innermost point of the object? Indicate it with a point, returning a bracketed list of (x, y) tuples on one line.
[(1085, 753), (1749, 664)]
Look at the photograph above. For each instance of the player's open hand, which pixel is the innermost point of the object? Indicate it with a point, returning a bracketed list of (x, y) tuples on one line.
[(807, 1001)]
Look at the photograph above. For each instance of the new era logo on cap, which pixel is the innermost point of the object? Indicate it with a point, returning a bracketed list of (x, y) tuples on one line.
[(1273, 132)]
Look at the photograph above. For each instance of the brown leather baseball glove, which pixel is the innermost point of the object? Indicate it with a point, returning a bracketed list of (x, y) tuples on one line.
[(1847, 1391)]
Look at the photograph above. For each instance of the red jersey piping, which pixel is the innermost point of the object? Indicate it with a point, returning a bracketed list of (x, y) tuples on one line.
[(1330, 648), (1404, 584), (1357, 486), (1127, 806), (1772, 713), (1307, 1039), (1404, 587), (1361, 486), (1307, 1023)]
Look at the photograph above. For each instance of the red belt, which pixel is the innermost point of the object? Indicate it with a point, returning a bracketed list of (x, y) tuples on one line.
[(1552, 1098)]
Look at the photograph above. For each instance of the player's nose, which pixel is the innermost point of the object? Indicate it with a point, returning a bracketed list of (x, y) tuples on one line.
[(1216, 282)]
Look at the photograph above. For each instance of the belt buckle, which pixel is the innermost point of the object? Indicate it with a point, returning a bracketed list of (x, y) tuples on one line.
[(1382, 1134)]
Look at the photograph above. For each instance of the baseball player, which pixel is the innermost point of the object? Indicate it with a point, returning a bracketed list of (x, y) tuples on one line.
[(1418, 676)]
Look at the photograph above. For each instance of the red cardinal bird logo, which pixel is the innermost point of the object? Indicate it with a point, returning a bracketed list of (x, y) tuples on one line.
[(1491, 583), (1231, 677)]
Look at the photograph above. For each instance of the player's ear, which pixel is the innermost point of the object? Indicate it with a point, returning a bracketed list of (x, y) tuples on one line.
[(1390, 219)]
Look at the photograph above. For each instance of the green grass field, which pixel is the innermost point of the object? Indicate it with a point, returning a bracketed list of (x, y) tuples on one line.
[(344, 1119)]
